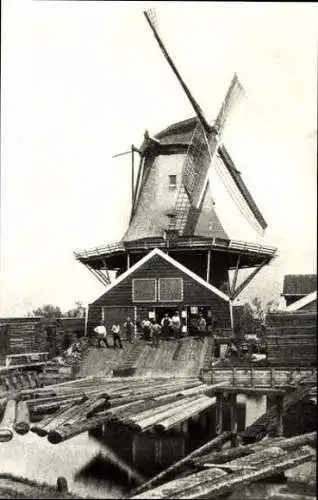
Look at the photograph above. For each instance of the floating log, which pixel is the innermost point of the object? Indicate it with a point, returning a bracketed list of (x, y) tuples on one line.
[(157, 414), (22, 418), (184, 413), (49, 406), (216, 442), (44, 421), (290, 496), (173, 488), (66, 432), (241, 451), (7, 421), (273, 464), (59, 419)]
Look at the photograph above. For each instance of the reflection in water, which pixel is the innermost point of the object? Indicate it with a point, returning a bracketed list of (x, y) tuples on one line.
[(35, 458)]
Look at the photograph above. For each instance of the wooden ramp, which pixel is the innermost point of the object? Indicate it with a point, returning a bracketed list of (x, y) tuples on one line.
[(177, 358)]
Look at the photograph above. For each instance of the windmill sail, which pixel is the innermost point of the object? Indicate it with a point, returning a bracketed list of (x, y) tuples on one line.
[(234, 94)]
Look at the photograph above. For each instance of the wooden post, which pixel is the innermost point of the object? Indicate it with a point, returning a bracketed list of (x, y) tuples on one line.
[(234, 377), (212, 376), (272, 377), (128, 261), (219, 413), (132, 174), (233, 418), (208, 267), (158, 446), (279, 431), (252, 377)]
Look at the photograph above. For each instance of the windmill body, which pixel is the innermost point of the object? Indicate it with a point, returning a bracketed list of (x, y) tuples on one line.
[(176, 208)]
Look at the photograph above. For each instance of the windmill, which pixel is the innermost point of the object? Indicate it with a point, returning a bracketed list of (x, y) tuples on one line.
[(172, 201)]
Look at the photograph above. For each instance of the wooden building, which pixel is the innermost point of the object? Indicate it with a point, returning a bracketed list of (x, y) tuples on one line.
[(158, 284), (299, 286)]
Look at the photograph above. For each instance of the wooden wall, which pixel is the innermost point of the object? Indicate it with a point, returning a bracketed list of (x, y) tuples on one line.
[(193, 293), (291, 338)]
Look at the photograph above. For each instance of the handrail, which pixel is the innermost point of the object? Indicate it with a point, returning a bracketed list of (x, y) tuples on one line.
[(184, 242)]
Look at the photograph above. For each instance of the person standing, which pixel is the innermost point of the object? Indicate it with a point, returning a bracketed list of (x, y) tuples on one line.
[(166, 326), (175, 325), (116, 335), (101, 332), (130, 330), (156, 331), (202, 326), (146, 329)]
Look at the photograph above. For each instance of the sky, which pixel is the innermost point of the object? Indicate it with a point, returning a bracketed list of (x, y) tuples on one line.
[(81, 81)]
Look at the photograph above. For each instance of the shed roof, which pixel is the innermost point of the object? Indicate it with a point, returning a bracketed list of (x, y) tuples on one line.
[(303, 301), (299, 284)]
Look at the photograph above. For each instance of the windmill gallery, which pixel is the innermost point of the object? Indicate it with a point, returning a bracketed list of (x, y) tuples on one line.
[(170, 419)]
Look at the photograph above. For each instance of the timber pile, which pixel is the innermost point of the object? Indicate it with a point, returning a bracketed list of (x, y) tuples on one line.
[(291, 337), (223, 471), (64, 410)]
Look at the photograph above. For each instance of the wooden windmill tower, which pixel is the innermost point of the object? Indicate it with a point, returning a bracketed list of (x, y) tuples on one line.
[(173, 201)]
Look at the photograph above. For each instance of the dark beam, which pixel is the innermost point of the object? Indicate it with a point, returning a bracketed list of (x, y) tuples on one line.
[(94, 273), (235, 274), (241, 287)]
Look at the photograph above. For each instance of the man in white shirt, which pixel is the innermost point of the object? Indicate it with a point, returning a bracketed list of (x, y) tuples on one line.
[(116, 335), (176, 323), (101, 332)]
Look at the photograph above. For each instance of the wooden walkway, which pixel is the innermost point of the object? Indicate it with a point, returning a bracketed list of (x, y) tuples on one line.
[(257, 376)]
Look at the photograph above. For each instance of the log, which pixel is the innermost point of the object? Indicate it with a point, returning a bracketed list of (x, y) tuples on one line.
[(50, 406), (7, 421), (231, 454), (59, 419), (216, 442), (173, 488), (157, 414), (22, 418), (290, 496), (44, 421), (273, 464), (184, 413), (150, 393), (66, 432), (161, 405)]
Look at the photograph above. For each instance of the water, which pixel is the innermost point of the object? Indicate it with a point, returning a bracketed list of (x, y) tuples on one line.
[(34, 458), (87, 460)]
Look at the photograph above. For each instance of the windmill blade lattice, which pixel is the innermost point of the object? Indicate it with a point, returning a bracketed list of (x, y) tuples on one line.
[(233, 96)]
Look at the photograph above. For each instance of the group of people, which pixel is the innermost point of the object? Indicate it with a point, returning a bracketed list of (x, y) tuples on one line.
[(102, 335), (151, 329)]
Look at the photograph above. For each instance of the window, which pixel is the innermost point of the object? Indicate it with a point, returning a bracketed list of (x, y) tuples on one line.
[(172, 182), (170, 289), (144, 290)]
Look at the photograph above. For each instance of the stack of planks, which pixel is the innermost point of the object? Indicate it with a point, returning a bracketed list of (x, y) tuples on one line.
[(64, 410), (291, 338), (218, 473)]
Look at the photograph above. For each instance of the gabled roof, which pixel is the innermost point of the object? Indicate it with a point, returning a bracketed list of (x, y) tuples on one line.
[(299, 284), (304, 301), (174, 263)]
